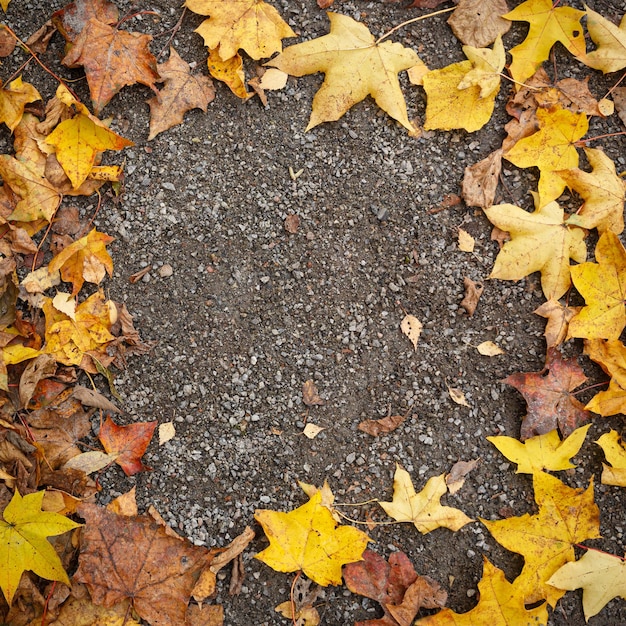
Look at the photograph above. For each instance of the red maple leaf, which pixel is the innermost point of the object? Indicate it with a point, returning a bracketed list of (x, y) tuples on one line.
[(129, 443)]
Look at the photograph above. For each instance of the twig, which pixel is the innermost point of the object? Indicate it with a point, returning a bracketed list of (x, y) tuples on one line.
[(411, 21), (174, 31), (291, 598)]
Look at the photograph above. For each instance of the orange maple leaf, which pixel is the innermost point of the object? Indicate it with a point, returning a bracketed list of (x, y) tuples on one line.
[(129, 443), (86, 259), (71, 19), (112, 59)]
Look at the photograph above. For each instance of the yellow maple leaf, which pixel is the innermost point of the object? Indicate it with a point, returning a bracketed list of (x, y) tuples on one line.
[(462, 95), (549, 23), (309, 540), (4, 4), (540, 242), (610, 356), (182, 92), (602, 190), (601, 576), (609, 402), (423, 509), (250, 25), (541, 452), (229, 72), (610, 54), (546, 540), (23, 545), (14, 99), (499, 604), (86, 259), (615, 453), (355, 67), (68, 340), (550, 149), (603, 286)]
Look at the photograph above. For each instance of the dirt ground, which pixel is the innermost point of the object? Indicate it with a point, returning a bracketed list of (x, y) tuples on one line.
[(250, 312)]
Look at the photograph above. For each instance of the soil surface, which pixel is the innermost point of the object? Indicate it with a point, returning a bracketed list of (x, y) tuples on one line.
[(250, 312)]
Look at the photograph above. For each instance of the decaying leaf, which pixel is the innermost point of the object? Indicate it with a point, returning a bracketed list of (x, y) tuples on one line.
[(229, 72), (548, 394), (383, 425), (558, 316), (473, 291), (355, 67), (481, 180), (456, 477), (412, 328), (457, 396), (542, 452), (479, 22), (304, 598), (307, 539), (615, 453), (488, 348), (602, 577), (127, 443), (422, 509), (310, 394), (13, 100)]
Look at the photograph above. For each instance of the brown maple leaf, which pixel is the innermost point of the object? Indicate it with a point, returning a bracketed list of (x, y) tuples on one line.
[(128, 442), (183, 91), (548, 395), (112, 59), (134, 558), (71, 19), (395, 585)]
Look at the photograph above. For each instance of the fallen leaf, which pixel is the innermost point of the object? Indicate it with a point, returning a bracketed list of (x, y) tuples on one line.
[(126, 504), (619, 98), (615, 453), (65, 303), (292, 223), (90, 462), (23, 544), (601, 576), (355, 67), (542, 452), (128, 443), (250, 25), (166, 432), (307, 539), (423, 509), (540, 242), (13, 100), (558, 316), (310, 395), (301, 603), (473, 291), (37, 370), (207, 615), (603, 286), (610, 356), (479, 22), (456, 477), (312, 430), (549, 396), (546, 540), (183, 91), (609, 402), (112, 59), (481, 180), (7, 42), (488, 348), (610, 54), (72, 18), (91, 397), (457, 396), (499, 602), (158, 584), (412, 328), (273, 79), (549, 23), (382, 426), (466, 241), (395, 585), (229, 72)]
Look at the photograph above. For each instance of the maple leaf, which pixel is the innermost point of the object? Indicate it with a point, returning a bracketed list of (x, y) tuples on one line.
[(250, 25), (395, 585), (602, 190), (615, 453), (601, 576), (23, 545), (540, 242), (183, 91), (546, 540), (481, 180), (86, 259), (14, 99), (38, 198), (548, 395), (135, 558), (558, 316), (229, 72), (548, 24), (479, 22), (463, 94), (551, 148), (610, 55), (71, 19), (69, 340), (423, 509), (543, 451), (500, 602), (127, 443), (112, 59), (308, 539), (355, 66), (603, 286), (610, 356)]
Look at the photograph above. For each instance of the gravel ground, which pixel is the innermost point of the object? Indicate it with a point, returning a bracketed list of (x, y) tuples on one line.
[(251, 311)]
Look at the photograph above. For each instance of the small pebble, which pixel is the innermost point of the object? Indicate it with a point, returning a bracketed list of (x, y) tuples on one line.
[(165, 271)]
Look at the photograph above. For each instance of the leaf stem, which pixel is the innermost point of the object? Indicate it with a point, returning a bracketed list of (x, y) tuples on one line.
[(575, 393), (583, 547), (583, 141), (615, 86), (411, 21), (291, 598)]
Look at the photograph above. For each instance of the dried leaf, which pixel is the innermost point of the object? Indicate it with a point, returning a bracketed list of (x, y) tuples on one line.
[(615, 453), (481, 180), (412, 328), (466, 241), (382, 426), (312, 430), (558, 316), (128, 443), (479, 22), (458, 396), (456, 477), (473, 291), (166, 432), (488, 348), (37, 370)]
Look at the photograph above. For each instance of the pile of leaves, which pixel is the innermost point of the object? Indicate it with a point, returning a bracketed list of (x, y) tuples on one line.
[(58, 329)]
